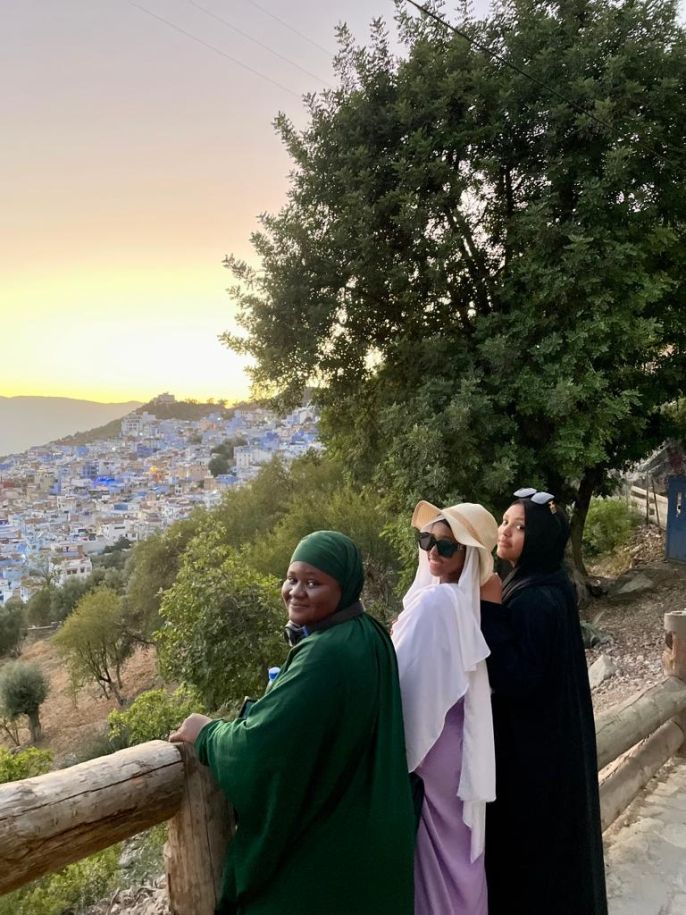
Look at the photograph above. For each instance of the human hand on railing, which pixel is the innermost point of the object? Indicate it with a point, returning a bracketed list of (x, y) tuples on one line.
[(189, 729), (492, 590)]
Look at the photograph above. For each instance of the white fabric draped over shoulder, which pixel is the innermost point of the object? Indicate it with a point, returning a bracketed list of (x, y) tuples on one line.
[(441, 659)]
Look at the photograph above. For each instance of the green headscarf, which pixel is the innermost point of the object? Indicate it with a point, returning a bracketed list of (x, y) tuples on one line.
[(336, 555)]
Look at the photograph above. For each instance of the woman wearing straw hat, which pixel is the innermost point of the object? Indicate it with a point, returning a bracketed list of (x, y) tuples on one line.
[(544, 849), (446, 703), (316, 771)]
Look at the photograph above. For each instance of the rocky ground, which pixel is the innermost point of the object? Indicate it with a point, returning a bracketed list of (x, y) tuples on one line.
[(637, 587), (149, 899)]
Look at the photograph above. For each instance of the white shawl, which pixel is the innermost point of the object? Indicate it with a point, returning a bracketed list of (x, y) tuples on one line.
[(441, 658)]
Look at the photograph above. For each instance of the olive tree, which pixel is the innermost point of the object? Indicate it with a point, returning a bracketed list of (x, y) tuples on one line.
[(94, 642), (23, 689)]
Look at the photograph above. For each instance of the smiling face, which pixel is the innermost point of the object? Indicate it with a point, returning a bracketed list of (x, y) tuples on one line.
[(511, 534), (445, 568), (309, 594)]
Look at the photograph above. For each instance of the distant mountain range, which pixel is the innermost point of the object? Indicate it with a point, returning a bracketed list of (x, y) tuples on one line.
[(28, 421)]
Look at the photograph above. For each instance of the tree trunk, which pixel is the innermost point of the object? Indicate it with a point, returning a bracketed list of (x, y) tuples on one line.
[(581, 505), (34, 725), (117, 695)]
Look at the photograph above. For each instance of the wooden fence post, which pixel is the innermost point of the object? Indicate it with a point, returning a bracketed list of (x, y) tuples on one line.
[(199, 834), (674, 656)]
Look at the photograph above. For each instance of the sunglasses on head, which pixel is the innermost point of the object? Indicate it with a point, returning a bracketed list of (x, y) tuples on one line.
[(445, 548), (540, 498)]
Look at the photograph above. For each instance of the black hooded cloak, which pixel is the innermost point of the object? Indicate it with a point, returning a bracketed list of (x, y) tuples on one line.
[(544, 853)]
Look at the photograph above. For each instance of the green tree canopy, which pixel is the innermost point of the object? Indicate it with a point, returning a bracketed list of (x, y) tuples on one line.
[(150, 571), (223, 623), (23, 689), (219, 463), (95, 643), (39, 607), (12, 624), (483, 274)]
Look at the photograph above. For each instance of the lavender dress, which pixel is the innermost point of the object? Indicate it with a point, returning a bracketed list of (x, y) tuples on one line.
[(446, 881)]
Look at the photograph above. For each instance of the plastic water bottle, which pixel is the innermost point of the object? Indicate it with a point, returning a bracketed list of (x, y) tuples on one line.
[(272, 674)]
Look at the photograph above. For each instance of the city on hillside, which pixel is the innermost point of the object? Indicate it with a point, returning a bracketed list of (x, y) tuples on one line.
[(62, 503)]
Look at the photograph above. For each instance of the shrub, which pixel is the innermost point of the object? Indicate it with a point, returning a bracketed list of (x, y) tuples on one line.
[(608, 525), (152, 716), (24, 764), (70, 890)]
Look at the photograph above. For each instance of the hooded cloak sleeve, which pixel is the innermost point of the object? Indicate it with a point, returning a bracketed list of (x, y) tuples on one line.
[(316, 774), (521, 636)]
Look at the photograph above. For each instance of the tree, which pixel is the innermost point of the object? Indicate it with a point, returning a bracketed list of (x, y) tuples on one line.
[(95, 643), (319, 498), (38, 608), (64, 599), (151, 571), (484, 274), (218, 464), (12, 624), (223, 623), (23, 689)]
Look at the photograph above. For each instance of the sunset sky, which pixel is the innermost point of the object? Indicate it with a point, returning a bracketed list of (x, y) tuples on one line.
[(135, 155), (137, 150)]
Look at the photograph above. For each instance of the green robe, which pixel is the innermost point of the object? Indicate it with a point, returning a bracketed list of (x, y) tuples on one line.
[(318, 778)]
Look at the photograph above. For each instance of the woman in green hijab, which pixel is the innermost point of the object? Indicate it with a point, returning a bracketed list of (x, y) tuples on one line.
[(316, 771)]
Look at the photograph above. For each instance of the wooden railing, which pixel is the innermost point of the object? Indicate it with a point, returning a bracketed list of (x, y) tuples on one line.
[(647, 729), (651, 506), (55, 819), (52, 820)]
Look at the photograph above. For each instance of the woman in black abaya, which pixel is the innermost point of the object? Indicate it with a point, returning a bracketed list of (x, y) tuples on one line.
[(543, 838)]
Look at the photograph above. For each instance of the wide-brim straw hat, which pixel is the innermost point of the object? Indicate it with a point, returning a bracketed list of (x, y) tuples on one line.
[(472, 525)]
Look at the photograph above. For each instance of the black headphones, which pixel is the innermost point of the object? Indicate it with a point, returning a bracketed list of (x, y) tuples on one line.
[(293, 634)]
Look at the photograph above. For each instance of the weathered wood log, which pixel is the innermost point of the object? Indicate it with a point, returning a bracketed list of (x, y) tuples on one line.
[(623, 726), (198, 837), (54, 819), (674, 658), (639, 766)]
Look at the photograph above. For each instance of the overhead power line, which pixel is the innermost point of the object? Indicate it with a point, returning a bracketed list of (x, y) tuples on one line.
[(256, 41), (580, 109), (212, 47), (291, 28)]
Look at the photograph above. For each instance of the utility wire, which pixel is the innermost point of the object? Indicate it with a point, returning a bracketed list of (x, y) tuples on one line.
[(212, 47), (259, 43), (291, 28), (538, 82)]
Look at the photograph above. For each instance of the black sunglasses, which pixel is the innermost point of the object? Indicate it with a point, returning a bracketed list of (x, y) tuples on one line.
[(445, 548), (540, 498)]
